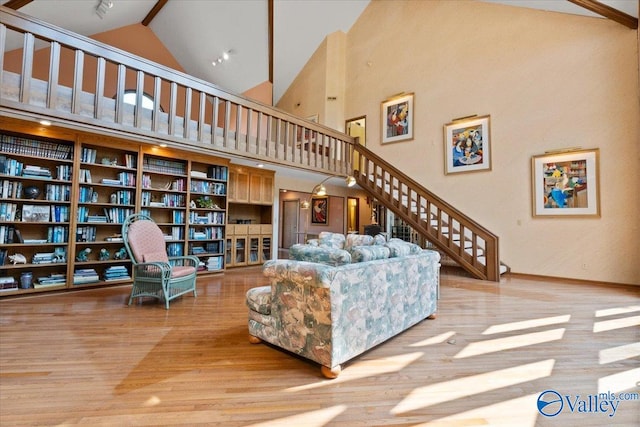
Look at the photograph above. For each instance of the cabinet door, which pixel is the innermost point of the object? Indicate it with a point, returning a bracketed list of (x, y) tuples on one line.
[(255, 188), (254, 250), (239, 250), (265, 248), (267, 190), (238, 186)]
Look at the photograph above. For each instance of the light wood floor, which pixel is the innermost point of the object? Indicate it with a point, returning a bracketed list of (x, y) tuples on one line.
[(85, 358)]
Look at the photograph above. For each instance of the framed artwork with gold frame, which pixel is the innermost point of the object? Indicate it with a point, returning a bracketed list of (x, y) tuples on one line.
[(396, 117), (566, 183), (467, 145)]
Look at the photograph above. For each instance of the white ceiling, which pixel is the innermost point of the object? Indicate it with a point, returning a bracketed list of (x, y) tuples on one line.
[(196, 32)]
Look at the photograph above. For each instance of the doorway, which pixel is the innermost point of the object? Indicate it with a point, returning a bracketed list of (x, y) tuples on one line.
[(357, 127), (353, 215), (290, 223)]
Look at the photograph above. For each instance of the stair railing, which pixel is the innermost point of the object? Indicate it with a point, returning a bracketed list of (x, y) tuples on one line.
[(468, 243)]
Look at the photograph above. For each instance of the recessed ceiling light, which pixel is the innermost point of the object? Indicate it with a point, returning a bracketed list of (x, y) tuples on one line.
[(163, 145), (260, 165), (45, 122)]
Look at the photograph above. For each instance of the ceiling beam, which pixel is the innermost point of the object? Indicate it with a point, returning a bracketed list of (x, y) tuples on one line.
[(16, 4), (608, 12), (153, 12)]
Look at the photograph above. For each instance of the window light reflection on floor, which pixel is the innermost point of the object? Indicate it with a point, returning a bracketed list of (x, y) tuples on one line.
[(610, 325), (526, 324), (507, 343)]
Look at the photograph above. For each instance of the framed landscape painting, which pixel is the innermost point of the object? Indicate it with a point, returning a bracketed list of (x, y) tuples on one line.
[(397, 118), (566, 184), (467, 145)]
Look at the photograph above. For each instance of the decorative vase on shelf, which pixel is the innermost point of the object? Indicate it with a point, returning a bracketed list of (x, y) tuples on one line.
[(31, 192)]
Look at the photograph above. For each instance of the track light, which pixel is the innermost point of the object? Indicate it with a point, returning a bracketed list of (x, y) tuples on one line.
[(321, 190), (103, 7)]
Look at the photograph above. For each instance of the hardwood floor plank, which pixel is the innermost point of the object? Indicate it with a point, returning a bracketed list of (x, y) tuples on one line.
[(86, 358)]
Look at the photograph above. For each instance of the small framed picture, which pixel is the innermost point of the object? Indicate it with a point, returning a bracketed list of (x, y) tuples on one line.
[(467, 145), (397, 119), (566, 184), (320, 210)]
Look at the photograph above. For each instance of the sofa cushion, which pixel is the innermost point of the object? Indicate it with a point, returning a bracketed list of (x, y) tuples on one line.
[(329, 239), (379, 239), (354, 240), (369, 253), (319, 254), (401, 248), (259, 299)]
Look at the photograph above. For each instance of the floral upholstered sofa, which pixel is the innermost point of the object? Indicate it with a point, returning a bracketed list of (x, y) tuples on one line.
[(332, 304)]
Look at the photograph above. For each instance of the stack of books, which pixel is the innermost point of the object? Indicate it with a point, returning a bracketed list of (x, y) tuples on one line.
[(85, 275), (36, 172), (50, 280), (8, 284), (116, 272), (214, 263)]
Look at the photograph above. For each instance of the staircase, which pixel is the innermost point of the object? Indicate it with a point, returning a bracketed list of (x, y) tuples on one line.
[(455, 235), (202, 117)]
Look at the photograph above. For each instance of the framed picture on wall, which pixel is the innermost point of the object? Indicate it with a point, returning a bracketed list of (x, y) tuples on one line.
[(467, 145), (397, 118), (320, 210), (566, 184)]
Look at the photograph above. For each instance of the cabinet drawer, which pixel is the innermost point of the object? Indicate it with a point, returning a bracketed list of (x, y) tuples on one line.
[(254, 229), (241, 229), (266, 229)]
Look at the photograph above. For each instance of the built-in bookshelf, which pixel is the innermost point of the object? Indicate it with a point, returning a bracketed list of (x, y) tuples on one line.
[(63, 202), (207, 214), (35, 212)]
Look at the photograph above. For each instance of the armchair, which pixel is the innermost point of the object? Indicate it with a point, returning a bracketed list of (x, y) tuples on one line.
[(154, 273)]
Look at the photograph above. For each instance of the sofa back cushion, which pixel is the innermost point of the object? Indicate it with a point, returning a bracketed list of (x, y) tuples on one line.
[(354, 240), (319, 254), (329, 239), (399, 247), (369, 253)]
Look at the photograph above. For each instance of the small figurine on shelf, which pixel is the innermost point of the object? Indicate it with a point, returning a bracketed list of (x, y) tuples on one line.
[(17, 259), (83, 254), (94, 197), (103, 255), (113, 198), (121, 254)]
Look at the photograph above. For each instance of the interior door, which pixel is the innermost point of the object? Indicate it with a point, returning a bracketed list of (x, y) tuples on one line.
[(290, 221)]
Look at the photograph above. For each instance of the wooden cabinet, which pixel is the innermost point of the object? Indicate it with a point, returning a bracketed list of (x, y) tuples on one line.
[(63, 204), (249, 185), (248, 244)]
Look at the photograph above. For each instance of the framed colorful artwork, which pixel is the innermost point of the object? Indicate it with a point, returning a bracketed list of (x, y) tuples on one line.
[(566, 184), (467, 145), (320, 210), (397, 118)]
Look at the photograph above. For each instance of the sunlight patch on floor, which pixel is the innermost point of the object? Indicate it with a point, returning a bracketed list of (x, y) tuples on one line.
[(623, 352), (526, 324), (610, 325), (434, 340), (364, 368), (619, 310), (423, 397), (625, 380), (318, 418), (521, 412), (507, 343)]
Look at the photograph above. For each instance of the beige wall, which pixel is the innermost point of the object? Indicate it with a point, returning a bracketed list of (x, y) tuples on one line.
[(548, 80)]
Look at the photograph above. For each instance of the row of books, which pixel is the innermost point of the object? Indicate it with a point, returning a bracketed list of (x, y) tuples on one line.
[(86, 234), (9, 166), (36, 172), (215, 263), (88, 155), (8, 211), (206, 233), (10, 189), (54, 279), (154, 164), (58, 234), (32, 147), (8, 283), (216, 188), (45, 213), (208, 218), (218, 172), (59, 255), (10, 234), (57, 192), (167, 200)]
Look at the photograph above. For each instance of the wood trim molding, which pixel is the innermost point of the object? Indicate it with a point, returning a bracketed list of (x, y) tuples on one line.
[(153, 12), (608, 12), (16, 4)]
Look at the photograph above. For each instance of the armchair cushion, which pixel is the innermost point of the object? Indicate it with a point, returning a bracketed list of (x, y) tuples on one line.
[(179, 271), (319, 254), (354, 240), (259, 299), (399, 247), (331, 240), (160, 256)]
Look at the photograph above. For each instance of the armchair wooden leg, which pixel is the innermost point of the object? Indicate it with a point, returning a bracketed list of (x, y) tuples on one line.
[(254, 339), (330, 373)]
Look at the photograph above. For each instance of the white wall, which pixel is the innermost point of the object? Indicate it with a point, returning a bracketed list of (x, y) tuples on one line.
[(548, 80)]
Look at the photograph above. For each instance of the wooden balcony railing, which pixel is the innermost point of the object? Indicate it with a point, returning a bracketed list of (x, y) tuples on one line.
[(46, 71)]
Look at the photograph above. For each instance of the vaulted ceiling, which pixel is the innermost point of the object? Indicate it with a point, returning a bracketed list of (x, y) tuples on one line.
[(198, 32)]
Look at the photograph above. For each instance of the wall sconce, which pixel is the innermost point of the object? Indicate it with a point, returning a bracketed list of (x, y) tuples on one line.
[(305, 205)]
